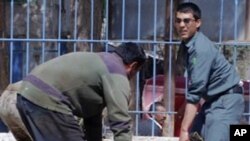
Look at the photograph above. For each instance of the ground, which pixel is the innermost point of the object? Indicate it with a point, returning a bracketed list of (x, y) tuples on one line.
[(9, 137)]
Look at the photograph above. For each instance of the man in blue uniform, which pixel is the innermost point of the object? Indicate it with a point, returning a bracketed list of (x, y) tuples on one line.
[(210, 77)]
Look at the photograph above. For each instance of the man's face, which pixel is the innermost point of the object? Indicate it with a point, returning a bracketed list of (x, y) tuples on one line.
[(186, 25), (160, 117)]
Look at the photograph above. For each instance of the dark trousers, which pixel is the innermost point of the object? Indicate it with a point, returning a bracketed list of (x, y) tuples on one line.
[(46, 125)]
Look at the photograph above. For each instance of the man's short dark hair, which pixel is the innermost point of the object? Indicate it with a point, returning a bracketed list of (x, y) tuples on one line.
[(131, 52), (189, 7)]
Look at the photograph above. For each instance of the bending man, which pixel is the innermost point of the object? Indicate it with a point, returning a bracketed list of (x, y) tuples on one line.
[(80, 84)]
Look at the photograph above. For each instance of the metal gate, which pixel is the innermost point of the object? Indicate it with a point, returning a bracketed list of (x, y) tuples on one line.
[(34, 31)]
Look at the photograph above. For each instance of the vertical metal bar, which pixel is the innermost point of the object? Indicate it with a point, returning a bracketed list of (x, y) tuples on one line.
[(170, 128), (27, 37), (139, 21), (138, 78), (154, 60), (235, 18), (137, 102), (106, 24), (154, 83), (221, 23), (92, 24), (11, 36), (75, 23), (59, 27), (235, 31), (155, 20), (171, 22), (43, 28), (221, 20), (123, 18)]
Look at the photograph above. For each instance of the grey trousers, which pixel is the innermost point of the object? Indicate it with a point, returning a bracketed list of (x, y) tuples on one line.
[(215, 117)]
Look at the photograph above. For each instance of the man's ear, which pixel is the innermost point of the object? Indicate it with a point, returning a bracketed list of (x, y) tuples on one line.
[(198, 23), (134, 65), (131, 69)]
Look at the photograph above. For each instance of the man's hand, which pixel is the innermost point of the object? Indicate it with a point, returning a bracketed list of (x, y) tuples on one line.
[(184, 136)]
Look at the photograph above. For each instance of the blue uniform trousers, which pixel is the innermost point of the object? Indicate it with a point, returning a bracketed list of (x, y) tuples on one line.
[(216, 116)]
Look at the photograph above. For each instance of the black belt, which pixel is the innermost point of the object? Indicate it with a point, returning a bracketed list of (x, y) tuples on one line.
[(235, 89)]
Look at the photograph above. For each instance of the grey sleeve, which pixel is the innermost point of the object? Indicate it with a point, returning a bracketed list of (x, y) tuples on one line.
[(116, 93), (200, 61)]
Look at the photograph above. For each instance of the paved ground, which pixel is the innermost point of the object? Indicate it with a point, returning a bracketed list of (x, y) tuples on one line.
[(9, 137), (151, 139)]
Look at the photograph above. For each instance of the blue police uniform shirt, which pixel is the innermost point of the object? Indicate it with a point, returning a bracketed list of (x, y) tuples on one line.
[(209, 73)]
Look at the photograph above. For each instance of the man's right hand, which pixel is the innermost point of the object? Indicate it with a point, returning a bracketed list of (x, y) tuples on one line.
[(184, 136)]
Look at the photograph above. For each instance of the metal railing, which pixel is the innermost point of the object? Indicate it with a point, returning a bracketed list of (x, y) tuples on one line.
[(67, 15)]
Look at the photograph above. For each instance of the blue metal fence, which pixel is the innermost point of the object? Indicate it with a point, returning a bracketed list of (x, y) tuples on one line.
[(150, 31)]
